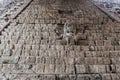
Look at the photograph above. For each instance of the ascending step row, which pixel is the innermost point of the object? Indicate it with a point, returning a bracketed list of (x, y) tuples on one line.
[(57, 69), (103, 76)]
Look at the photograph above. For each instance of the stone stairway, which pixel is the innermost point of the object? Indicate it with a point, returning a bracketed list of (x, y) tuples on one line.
[(31, 50)]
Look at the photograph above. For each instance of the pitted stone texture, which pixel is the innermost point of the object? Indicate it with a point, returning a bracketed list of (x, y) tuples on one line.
[(34, 49)]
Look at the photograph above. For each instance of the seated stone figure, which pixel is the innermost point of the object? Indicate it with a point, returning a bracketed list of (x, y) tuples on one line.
[(69, 32)]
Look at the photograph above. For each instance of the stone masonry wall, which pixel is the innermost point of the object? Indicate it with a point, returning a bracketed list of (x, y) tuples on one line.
[(30, 49)]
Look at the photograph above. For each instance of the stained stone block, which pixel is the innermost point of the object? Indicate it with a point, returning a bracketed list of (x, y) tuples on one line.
[(89, 77), (114, 54), (80, 68), (97, 69), (20, 41), (69, 47), (27, 52), (106, 77), (53, 21), (50, 60), (115, 60), (8, 76), (81, 36), (82, 77), (82, 42), (99, 48), (17, 68), (4, 33), (33, 42), (118, 68), (111, 68), (90, 54), (43, 42), (60, 69), (59, 47), (106, 60), (99, 53), (22, 60), (17, 52), (35, 47), (63, 42), (4, 41), (22, 68), (41, 21), (9, 46), (109, 48), (36, 21), (33, 52), (79, 54), (90, 60), (59, 61), (117, 47), (49, 68), (7, 52), (40, 68), (72, 77), (115, 77), (49, 77), (107, 43), (61, 53), (84, 48), (96, 77), (71, 54), (80, 60), (72, 42), (37, 41), (100, 61), (41, 60), (2, 37), (77, 48), (58, 42), (62, 77), (41, 53), (9, 60), (30, 60), (7, 68), (69, 61), (106, 53)]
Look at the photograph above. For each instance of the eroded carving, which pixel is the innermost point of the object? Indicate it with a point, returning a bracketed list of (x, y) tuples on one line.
[(69, 32)]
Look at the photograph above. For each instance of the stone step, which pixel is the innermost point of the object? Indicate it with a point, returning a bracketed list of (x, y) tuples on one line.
[(59, 76), (56, 59), (96, 76), (74, 48), (58, 69)]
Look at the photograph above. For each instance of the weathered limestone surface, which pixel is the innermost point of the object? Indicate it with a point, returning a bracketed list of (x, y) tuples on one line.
[(34, 47)]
